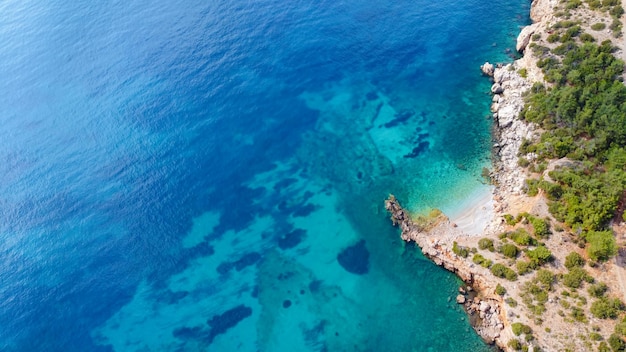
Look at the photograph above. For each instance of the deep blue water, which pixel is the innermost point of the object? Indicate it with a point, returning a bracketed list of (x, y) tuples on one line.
[(210, 175)]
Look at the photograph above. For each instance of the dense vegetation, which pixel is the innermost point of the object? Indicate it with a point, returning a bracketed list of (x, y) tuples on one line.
[(583, 114)]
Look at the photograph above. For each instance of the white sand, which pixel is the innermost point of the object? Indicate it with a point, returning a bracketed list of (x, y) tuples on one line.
[(473, 214)]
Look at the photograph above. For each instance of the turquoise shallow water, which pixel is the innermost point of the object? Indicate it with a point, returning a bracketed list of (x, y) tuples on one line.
[(210, 176)]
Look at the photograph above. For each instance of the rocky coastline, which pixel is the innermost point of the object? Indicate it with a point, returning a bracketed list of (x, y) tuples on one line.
[(440, 238), (484, 309)]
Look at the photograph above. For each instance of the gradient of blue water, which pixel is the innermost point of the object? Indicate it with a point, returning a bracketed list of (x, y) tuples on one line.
[(120, 122)]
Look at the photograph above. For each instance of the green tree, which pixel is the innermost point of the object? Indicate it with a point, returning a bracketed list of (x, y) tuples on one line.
[(539, 255), (509, 250), (605, 308), (602, 245)]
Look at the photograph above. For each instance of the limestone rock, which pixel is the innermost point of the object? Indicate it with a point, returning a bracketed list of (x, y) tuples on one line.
[(524, 37), (460, 299), (496, 88), (487, 69)]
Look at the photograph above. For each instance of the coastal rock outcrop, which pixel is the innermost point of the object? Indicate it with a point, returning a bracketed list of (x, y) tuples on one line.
[(524, 37), (487, 69), (485, 312), (511, 131)]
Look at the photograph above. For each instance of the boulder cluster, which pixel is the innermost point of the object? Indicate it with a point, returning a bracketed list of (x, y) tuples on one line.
[(484, 313), (507, 103)]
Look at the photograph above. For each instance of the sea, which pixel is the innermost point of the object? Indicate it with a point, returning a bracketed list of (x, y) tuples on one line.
[(210, 175)]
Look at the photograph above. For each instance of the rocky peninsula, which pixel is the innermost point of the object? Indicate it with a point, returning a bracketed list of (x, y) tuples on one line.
[(532, 283)]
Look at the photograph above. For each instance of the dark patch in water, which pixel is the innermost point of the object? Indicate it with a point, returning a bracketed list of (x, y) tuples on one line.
[(187, 333), (284, 183), (285, 276), (400, 117), (247, 260), (423, 146), (315, 335), (291, 239), (355, 259), (371, 96), (307, 195), (240, 264), (224, 268), (171, 297), (377, 112), (203, 249), (223, 322), (304, 210), (286, 303), (255, 291), (315, 286), (283, 206)]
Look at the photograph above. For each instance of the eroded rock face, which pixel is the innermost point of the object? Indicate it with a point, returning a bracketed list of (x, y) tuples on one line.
[(523, 39)]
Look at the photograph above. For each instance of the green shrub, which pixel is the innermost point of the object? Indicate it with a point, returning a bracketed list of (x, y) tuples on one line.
[(522, 237), (519, 328), (598, 26), (616, 27), (523, 267), (486, 243), (594, 336), (594, 4), (597, 290), (602, 245), (509, 219), (620, 328), (546, 278), (459, 250), (515, 345), (603, 347), (573, 4), (509, 250), (553, 38), (541, 227), (502, 271), (575, 277), (617, 11), (588, 38), (573, 260), (523, 72), (539, 255), (616, 343), (511, 302), (578, 315), (500, 290), (563, 24), (605, 308), (482, 261), (532, 187)]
